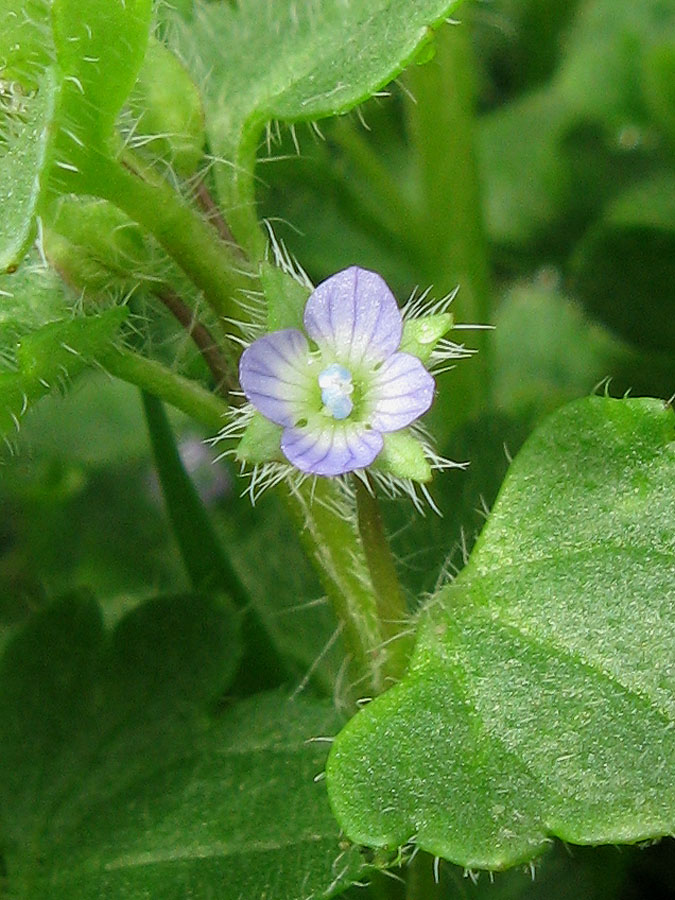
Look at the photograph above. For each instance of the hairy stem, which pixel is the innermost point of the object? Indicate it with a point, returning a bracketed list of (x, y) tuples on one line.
[(331, 542), (187, 237), (391, 605), (213, 356), (157, 379)]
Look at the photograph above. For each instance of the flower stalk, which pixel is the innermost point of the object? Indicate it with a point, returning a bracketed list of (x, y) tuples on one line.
[(391, 606)]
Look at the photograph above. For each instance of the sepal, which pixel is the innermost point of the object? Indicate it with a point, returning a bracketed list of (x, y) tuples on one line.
[(403, 456), (286, 298), (421, 335), (261, 442)]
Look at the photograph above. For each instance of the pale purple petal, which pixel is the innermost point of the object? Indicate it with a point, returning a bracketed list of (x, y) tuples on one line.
[(354, 316), (401, 391), (273, 373), (330, 449)]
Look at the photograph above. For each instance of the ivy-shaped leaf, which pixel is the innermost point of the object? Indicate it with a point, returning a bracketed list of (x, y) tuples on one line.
[(294, 60), (117, 781), (540, 700)]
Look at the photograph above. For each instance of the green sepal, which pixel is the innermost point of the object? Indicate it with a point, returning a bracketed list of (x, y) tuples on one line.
[(420, 336), (286, 298), (168, 108), (261, 441), (403, 456)]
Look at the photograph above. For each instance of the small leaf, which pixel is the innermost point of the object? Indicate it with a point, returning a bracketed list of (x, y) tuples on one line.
[(541, 696), (95, 247), (51, 355), (166, 104), (286, 298), (117, 781)]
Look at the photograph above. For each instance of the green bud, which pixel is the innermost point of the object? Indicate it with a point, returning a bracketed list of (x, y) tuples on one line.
[(95, 246)]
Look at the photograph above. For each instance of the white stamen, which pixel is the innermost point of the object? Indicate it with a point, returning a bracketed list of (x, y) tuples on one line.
[(336, 388)]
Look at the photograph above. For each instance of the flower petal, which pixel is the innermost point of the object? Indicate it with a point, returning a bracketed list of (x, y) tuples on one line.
[(401, 391), (354, 316), (275, 377), (326, 448)]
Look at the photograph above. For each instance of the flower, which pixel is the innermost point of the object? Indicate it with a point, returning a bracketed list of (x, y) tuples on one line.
[(338, 398)]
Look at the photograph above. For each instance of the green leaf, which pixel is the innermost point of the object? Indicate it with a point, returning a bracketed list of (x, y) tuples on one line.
[(294, 61), (25, 119), (540, 699), (286, 298), (116, 780), (403, 456), (420, 336), (50, 355), (97, 73), (26, 47), (261, 442)]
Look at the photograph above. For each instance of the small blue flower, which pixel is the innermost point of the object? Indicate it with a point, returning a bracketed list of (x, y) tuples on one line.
[(337, 397)]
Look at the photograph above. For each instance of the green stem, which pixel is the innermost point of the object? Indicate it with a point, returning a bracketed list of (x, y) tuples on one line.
[(205, 558), (442, 132), (383, 197), (152, 376), (213, 266), (391, 606), (332, 543), (202, 554), (421, 881)]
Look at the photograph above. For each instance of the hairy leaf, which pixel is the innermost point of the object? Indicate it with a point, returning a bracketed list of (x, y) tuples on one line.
[(541, 696), (100, 45), (42, 344), (295, 61), (25, 118)]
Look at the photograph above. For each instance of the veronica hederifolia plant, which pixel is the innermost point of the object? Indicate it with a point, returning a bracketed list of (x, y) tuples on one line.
[(344, 391)]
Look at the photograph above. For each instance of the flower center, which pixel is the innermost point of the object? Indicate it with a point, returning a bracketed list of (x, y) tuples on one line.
[(336, 388)]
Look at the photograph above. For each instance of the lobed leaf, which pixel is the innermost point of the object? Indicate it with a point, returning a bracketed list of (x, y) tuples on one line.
[(541, 695), (116, 781)]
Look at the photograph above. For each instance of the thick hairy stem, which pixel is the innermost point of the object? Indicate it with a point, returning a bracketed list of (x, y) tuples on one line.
[(183, 393), (211, 263), (332, 543)]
